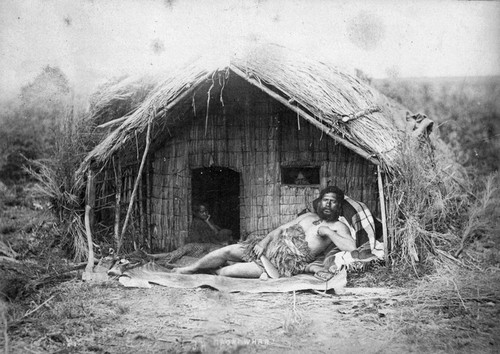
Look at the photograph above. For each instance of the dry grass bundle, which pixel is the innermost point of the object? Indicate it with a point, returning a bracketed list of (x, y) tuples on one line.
[(425, 207), (65, 206), (432, 214), (56, 182), (51, 187)]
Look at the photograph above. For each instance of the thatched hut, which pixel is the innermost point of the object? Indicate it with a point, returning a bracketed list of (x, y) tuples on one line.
[(237, 136)]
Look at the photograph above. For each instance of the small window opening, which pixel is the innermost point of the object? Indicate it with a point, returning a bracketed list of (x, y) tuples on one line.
[(300, 176)]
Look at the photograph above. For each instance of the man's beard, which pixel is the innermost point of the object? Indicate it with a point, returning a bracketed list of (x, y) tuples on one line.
[(334, 216)]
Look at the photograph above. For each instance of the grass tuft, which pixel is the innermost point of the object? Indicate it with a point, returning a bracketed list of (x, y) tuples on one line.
[(432, 214), (56, 183), (295, 322)]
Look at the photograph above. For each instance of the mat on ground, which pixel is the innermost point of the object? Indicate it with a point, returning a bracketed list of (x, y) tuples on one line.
[(152, 273)]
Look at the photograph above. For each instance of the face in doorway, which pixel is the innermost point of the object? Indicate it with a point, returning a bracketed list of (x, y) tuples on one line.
[(201, 212), (329, 207)]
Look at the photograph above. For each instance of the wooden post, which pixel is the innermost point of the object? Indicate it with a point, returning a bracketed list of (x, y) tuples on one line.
[(148, 204), (90, 200), (383, 215), (134, 191), (118, 197), (140, 203)]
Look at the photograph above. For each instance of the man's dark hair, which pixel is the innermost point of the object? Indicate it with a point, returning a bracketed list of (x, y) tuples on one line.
[(197, 206), (333, 189)]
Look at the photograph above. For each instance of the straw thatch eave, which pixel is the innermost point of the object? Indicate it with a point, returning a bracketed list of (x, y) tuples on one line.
[(157, 106), (350, 111)]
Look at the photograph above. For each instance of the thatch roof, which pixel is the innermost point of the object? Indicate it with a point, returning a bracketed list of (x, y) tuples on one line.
[(340, 104)]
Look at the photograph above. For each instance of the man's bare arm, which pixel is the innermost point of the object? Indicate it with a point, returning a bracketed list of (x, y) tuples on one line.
[(340, 235), (214, 227)]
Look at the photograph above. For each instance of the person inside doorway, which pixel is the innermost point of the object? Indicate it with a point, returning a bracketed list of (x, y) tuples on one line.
[(203, 230)]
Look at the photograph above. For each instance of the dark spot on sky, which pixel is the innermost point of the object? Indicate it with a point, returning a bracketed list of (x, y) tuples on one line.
[(67, 21), (169, 3), (157, 46), (366, 30)]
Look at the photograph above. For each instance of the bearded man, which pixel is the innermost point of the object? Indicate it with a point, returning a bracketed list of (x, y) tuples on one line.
[(289, 247)]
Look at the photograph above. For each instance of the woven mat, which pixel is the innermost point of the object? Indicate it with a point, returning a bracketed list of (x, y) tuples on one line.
[(151, 273)]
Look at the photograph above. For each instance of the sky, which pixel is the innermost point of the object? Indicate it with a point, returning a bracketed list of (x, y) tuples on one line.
[(94, 40)]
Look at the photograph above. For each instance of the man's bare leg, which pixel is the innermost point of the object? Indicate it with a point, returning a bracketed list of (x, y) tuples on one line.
[(241, 270), (215, 259)]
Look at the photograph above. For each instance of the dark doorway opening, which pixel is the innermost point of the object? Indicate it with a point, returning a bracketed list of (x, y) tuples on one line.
[(219, 189)]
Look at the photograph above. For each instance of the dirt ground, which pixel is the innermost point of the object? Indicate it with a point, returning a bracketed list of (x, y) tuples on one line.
[(107, 318)]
